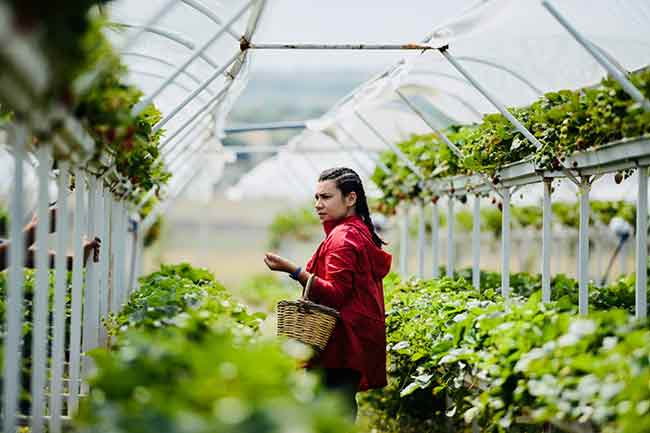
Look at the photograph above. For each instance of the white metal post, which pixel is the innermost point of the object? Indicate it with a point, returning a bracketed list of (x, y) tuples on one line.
[(117, 255), (60, 291), (404, 245), (435, 240), (41, 291), (112, 256), (583, 249), (77, 283), (547, 246), (642, 244), (104, 261), (11, 367), (122, 258), (451, 253), (421, 239), (476, 243), (90, 314), (505, 244)]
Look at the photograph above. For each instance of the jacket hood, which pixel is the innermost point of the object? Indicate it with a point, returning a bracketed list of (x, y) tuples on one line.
[(380, 259)]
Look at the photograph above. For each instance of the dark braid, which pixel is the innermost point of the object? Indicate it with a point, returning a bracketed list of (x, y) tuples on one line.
[(347, 180)]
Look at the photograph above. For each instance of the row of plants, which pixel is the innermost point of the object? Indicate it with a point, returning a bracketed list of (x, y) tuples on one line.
[(187, 357), (460, 356), (565, 122), (72, 38)]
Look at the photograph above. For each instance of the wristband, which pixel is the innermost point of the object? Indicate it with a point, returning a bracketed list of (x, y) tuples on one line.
[(295, 274)]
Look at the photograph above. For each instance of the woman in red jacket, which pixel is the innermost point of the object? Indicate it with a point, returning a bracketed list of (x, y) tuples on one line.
[(348, 267)]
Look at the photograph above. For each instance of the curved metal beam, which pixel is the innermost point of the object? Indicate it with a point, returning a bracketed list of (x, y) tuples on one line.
[(515, 74), (162, 77), (170, 35), (201, 8), (162, 61)]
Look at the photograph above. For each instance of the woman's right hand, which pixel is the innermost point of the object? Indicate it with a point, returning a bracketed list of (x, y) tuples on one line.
[(279, 263)]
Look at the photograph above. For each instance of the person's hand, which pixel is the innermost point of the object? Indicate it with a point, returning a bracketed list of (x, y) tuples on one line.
[(31, 226), (278, 263), (94, 247)]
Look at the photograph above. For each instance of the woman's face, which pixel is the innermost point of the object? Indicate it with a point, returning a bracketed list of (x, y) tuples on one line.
[(330, 203)]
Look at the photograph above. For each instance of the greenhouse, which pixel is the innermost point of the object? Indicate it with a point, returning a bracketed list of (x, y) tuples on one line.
[(159, 159)]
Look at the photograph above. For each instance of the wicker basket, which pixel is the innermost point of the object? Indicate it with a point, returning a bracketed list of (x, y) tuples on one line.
[(307, 321)]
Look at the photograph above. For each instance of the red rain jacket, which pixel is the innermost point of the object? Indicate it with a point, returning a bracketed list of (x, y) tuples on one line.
[(349, 269)]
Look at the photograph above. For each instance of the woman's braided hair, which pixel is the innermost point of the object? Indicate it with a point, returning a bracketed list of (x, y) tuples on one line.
[(347, 180)]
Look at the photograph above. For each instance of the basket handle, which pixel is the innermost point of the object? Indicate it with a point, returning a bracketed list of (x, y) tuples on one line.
[(305, 290)]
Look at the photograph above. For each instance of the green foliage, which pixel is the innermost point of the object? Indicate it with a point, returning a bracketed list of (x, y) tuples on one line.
[(4, 221), (511, 365), (565, 121), (432, 156), (173, 290), (106, 111), (188, 358), (296, 224)]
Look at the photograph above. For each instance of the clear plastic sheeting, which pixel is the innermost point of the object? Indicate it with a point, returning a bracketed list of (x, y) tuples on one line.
[(515, 49)]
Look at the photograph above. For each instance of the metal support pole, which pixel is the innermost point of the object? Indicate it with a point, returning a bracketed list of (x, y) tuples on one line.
[(493, 100), (196, 116), (476, 243), (113, 254), (14, 315), (421, 239), (435, 240), (60, 291), (404, 245), (436, 131), (137, 109), (90, 314), (599, 57), (641, 308), (414, 168), (77, 284), (104, 262), (583, 248), (451, 253), (135, 241), (505, 244), (441, 135), (547, 245), (380, 47), (40, 320), (189, 98)]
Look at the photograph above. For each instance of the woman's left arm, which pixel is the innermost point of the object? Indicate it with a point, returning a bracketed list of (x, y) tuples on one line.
[(336, 287)]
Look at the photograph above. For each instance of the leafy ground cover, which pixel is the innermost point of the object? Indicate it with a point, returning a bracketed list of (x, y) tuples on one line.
[(188, 358), (458, 355)]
